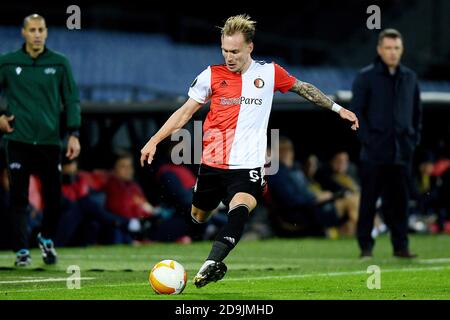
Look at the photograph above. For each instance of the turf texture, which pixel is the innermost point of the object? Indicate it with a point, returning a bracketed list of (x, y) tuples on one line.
[(275, 269)]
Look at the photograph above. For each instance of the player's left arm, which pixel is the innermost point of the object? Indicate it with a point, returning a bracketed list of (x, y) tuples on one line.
[(314, 95)]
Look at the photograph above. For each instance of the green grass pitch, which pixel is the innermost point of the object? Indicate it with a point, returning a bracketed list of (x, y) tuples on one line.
[(288, 269)]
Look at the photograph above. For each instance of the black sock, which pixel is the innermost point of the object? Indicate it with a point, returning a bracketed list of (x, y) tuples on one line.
[(196, 229), (230, 234)]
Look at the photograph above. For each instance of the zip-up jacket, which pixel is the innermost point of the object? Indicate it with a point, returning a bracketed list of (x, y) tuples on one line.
[(35, 89)]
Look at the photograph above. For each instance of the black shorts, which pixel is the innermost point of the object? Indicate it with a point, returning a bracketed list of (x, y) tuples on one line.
[(215, 185)]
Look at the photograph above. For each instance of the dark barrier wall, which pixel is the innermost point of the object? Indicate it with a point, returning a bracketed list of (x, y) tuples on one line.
[(314, 130)]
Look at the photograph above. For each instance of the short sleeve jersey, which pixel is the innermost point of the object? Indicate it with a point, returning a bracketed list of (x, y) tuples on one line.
[(235, 129)]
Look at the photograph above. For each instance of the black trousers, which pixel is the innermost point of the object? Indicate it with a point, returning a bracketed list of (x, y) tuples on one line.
[(44, 161), (391, 182)]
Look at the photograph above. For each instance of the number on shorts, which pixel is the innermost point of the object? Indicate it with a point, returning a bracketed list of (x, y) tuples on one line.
[(253, 175)]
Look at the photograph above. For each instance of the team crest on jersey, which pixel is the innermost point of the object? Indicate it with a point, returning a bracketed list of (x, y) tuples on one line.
[(259, 83), (50, 71), (18, 70)]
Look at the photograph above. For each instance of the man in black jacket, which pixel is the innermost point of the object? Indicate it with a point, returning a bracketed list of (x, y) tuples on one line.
[(386, 99)]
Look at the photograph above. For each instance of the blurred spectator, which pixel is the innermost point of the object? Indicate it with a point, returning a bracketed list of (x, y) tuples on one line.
[(84, 220), (175, 180), (176, 183), (441, 172), (125, 198), (425, 207), (299, 211), (426, 186), (444, 200), (345, 189), (336, 175)]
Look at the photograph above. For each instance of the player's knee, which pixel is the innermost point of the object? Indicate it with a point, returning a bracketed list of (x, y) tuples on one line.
[(198, 216), (243, 198)]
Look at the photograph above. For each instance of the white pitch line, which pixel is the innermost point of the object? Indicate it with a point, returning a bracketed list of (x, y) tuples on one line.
[(45, 280), (330, 274), (99, 286), (334, 274), (431, 261)]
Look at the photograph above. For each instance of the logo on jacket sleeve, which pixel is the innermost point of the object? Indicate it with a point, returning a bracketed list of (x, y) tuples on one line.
[(15, 166), (18, 70), (259, 83)]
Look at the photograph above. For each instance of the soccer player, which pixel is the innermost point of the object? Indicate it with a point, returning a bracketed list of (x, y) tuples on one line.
[(35, 81), (234, 135)]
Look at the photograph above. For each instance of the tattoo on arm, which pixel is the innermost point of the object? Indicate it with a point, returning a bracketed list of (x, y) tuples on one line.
[(311, 93)]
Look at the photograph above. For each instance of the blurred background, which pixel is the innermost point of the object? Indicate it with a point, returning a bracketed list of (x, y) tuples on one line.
[(134, 63)]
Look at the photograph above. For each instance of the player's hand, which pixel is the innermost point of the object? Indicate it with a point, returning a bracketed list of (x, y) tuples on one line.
[(350, 116), (4, 123), (147, 152), (73, 148)]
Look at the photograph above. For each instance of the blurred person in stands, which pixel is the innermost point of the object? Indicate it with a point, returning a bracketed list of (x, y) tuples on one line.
[(386, 99), (441, 172), (36, 80), (426, 185), (336, 176), (345, 190), (125, 198), (304, 206), (84, 220), (176, 184), (234, 136)]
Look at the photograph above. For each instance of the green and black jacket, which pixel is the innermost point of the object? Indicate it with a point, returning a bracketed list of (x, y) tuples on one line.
[(35, 89)]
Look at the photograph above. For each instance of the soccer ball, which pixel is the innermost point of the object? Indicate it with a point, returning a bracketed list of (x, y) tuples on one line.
[(168, 277)]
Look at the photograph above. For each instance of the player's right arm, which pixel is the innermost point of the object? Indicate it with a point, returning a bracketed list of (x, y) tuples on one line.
[(176, 121), (199, 94)]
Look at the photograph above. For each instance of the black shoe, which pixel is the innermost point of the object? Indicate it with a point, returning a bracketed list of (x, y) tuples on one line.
[(365, 254), (23, 258), (213, 272), (48, 250), (404, 254)]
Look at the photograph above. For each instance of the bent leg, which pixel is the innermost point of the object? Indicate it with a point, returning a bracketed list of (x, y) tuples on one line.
[(200, 216), (240, 207)]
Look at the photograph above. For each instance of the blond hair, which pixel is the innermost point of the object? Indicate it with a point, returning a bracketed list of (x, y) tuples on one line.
[(240, 24)]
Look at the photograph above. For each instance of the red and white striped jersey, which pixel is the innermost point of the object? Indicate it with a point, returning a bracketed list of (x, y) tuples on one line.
[(235, 129)]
